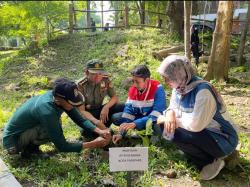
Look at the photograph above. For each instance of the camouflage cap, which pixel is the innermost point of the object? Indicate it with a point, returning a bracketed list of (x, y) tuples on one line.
[(95, 66)]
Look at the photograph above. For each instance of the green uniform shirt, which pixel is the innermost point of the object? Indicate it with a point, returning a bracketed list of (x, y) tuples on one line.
[(94, 93), (41, 110)]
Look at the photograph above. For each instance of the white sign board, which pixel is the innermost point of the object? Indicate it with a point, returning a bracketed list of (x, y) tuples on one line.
[(128, 159)]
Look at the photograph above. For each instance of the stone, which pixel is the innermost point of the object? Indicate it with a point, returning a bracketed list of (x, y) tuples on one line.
[(12, 87), (108, 182), (171, 173), (123, 51)]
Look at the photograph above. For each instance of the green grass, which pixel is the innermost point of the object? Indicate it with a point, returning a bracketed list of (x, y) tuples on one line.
[(67, 56)]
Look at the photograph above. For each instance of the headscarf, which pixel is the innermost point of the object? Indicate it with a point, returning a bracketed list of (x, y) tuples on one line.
[(180, 71)]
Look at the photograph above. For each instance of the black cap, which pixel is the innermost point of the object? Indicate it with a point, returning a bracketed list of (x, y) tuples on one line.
[(95, 66), (141, 71), (67, 90)]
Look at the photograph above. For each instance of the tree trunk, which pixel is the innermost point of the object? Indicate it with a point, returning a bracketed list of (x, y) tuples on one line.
[(187, 15), (47, 28), (126, 15), (175, 13), (102, 14), (159, 21), (141, 9), (46, 21), (161, 54), (88, 13), (71, 18), (116, 13), (243, 37), (195, 8), (218, 64), (74, 14)]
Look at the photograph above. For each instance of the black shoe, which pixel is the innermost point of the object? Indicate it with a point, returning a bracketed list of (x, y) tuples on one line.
[(32, 148), (43, 156), (25, 154)]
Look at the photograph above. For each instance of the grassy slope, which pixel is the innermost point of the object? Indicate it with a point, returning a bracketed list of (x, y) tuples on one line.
[(66, 56)]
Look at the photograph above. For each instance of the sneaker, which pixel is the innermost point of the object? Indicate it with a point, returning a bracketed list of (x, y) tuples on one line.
[(210, 171)]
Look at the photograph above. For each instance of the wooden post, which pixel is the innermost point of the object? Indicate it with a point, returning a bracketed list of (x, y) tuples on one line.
[(74, 14), (102, 14), (71, 18), (128, 177), (158, 16), (187, 13), (126, 15), (88, 13)]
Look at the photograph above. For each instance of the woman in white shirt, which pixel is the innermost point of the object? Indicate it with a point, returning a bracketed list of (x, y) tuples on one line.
[(196, 118)]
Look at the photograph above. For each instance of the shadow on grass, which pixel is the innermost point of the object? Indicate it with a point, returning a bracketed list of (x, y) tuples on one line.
[(238, 177)]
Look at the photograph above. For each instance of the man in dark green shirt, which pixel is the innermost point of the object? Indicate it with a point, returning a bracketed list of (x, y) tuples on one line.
[(38, 121)]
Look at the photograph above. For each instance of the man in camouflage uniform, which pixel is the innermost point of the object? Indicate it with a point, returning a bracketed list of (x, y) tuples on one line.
[(94, 86)]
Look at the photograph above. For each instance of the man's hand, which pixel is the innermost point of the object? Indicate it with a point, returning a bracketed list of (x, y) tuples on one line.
[(100, 125), (126, 126), (103, 133), (116, 138), (96, 143), (100, 142), (104, 115)]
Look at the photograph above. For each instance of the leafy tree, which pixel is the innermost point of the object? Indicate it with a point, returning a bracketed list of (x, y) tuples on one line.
[(31, 19)]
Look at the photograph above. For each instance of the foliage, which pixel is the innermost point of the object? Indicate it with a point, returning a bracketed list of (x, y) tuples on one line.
[(66, 56), (27, 18), (235, 40), (239, 69)]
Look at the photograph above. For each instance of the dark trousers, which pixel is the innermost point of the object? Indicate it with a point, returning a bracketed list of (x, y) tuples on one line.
[(117, 108), (31, 137), (199, 147), (195, 51)]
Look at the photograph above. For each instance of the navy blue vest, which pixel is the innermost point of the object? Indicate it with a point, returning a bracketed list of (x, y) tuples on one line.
[(226, 137)]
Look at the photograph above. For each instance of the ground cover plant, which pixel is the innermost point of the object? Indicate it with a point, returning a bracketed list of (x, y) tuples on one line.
[(24, 74)]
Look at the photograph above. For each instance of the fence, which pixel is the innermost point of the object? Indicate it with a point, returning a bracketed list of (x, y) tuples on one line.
[(236, 28), (125, 24)]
